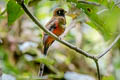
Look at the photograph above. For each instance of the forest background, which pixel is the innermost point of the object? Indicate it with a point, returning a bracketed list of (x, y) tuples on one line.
[(92, 25)]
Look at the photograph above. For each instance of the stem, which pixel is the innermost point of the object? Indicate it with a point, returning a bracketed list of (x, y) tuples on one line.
[(108, 49), (98, 69), (3, 12)]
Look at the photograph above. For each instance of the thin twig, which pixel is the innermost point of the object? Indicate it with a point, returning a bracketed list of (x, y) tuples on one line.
[(90, 3), (108, 49), (3, 12), (98, 69), (53, 35)]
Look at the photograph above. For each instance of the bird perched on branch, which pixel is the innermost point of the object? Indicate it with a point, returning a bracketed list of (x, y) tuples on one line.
[(57, 26)]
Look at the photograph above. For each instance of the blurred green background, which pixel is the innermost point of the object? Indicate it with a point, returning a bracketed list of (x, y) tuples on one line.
[(96, 26)]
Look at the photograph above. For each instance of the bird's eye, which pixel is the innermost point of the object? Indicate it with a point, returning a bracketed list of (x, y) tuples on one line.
[(59, 12)]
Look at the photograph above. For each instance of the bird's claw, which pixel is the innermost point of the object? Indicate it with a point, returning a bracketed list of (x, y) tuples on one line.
[(61, 37)]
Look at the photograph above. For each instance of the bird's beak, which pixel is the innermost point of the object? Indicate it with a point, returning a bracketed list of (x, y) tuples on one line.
[(71, 15)]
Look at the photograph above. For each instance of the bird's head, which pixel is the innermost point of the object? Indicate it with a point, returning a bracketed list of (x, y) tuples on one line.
[(59, 12)]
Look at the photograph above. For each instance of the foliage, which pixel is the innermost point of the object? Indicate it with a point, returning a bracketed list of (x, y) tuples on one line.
[(21, 43), (14, 11)]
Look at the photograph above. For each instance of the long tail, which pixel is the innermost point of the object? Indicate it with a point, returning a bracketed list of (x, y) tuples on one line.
[(41, 69)]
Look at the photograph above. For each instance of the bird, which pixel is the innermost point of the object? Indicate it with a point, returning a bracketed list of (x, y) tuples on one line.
[(57, 26)]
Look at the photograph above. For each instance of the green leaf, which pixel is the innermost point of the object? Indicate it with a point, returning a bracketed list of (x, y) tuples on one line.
[(44, 60), (104, 18), (106, 22), (108, 78), (14, 12)]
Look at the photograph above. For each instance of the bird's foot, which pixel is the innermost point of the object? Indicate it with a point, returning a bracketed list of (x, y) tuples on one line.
[(61, 37)]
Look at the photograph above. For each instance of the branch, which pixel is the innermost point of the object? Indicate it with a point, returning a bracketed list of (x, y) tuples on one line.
[(108, 49), (3, 12), (53, 35), (90, 3), (98, 69)]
